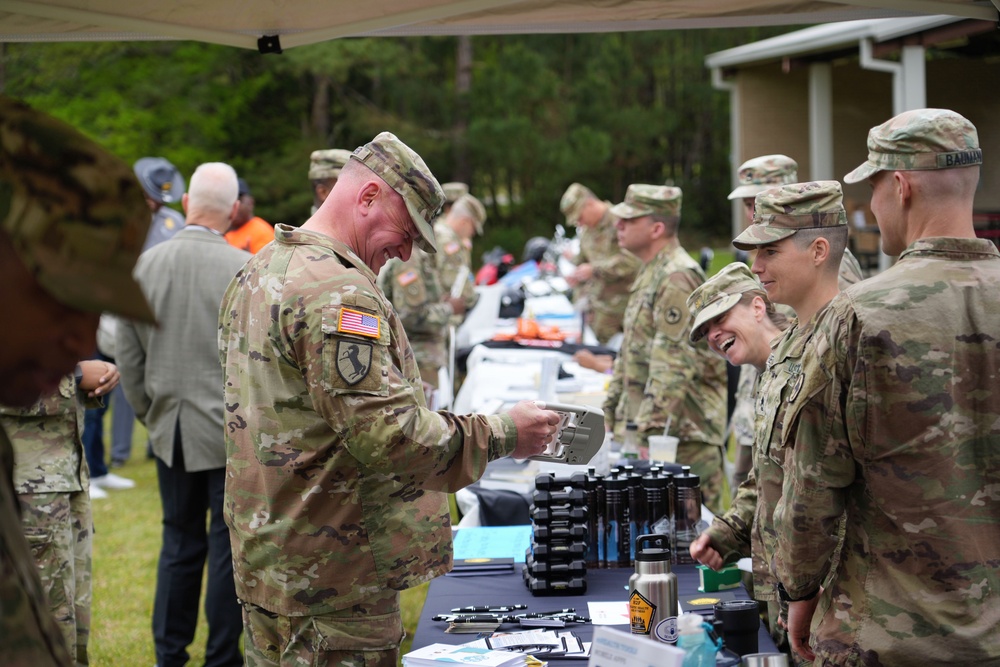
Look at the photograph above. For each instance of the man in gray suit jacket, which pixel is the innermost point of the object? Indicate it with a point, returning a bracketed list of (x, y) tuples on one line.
[(172, 377)]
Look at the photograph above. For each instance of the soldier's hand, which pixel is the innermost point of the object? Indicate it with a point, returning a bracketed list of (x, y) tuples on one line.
[(703, 552), (535, 428), (583, 273), (799, 621), (601, 363), (457, 305), (99, 377)]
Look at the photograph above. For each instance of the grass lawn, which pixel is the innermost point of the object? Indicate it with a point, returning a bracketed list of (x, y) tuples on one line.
[(126, 549)]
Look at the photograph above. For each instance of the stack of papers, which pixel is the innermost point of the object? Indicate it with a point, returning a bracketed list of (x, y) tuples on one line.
[(442, 654)]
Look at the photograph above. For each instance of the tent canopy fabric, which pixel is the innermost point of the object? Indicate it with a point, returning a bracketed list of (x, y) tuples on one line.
[(243, 23)]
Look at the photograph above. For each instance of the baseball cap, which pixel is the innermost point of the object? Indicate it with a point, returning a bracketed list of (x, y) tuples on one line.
[(572, 202), (160, 179), (918, 140), (454, 190), (719, 294), (327, 163), (641, 199), (244, 189), (469, 205), (75, 213), (761, 173), (782, 211), (406, 173)]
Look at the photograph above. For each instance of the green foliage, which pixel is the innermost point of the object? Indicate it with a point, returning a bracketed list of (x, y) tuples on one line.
[(541, 112)]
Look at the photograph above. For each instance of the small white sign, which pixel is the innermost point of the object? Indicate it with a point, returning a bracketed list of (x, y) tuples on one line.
[(608, 613), (614, 648)]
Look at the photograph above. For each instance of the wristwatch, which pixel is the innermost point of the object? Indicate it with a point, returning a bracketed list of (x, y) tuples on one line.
[(785, 597)]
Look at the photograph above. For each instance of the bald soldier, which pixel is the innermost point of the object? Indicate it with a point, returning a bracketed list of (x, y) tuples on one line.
[(338, 474), (324, 168), (72, 223), (895, 424), (604, 271), (659, 374)]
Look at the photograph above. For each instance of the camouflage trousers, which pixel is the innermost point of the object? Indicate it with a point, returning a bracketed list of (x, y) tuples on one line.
[(59, 529), (365, 635), (705, 460), (430, 356)]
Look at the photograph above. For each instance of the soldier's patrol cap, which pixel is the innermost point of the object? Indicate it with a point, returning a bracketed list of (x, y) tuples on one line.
[(782, 211), (160, 179), (572, 202), (454, 190), (919, 140), (327, 163), (406, 173), (472, 207), (74, 213), (719, 294), (641, 199), (764, 172)]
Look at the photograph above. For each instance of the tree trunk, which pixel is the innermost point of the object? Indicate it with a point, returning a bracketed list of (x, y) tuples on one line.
[(463, 84)]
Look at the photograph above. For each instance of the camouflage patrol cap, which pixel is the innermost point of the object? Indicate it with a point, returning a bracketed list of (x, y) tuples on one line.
[(643, 200), (918, 140), (780, 212), (160, 179), (472, 207), (572, 202), (719, 294), (75, 214), (327, 163), (764, 172), (406, 173), (454, 190)]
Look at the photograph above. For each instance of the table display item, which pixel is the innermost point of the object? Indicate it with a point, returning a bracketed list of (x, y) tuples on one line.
[(556, 563), (579, 437), (653, 590)]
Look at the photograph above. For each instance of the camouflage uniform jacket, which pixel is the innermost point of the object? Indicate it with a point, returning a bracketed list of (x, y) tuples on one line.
[(658, 372), (454, 253), (31, 637), (896, 423), (748, 521), (414, 290), (47, 437), (335, 467), (741, 423), (615, 269)]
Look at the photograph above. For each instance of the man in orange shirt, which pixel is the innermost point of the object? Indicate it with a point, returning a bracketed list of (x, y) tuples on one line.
[(249, 232)]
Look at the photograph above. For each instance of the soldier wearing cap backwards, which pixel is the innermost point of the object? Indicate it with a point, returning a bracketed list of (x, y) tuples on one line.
[(754, 177), (895, 423), (604, 272), (337, 471), (67, 249), (659, 373), (324, 168), (454, 231), (799, 232)]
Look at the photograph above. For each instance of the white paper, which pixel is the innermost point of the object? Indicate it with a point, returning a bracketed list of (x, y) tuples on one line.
[(608, 613), (614, 648)]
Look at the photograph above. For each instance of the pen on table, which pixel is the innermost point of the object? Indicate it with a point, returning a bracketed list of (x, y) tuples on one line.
[(536, 614), (508, 607)]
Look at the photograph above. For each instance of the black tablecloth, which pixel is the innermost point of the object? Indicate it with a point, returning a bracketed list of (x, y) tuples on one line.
[(446, 593)]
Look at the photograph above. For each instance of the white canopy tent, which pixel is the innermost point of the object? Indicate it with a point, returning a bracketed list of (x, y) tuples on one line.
[(272, 25)]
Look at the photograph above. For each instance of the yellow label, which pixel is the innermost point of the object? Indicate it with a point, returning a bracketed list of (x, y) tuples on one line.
[(640, 611)]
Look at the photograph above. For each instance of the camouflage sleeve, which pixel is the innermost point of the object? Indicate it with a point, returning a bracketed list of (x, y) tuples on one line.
[(730, 533), (671, 363), (405, 287), (376, 414), (819, 463), (130, 357), (618, 266), (615, 389)]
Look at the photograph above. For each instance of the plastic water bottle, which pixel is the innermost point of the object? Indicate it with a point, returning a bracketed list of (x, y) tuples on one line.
[(692, 638)]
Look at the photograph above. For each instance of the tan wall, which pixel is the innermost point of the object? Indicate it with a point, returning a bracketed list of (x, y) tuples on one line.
[(775, 115)]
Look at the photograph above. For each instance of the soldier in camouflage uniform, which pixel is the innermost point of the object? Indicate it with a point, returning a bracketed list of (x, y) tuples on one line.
[(895, 423), (51, 481), (799, 232), (755, 176), (324, 168), (604, 272), (454, 232), (338, 474), (72, 223), (659, 373)]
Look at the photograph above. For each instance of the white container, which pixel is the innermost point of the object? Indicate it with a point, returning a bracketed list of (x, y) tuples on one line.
[(663, 448)]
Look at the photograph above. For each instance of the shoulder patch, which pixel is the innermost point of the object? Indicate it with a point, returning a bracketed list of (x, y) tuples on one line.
[(355, 322), (675, 315), (407, 277), (354, 361)]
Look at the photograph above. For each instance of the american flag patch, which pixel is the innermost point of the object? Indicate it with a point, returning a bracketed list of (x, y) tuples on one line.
[(356, 322)]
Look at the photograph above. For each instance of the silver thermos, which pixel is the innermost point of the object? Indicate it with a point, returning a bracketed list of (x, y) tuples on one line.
[(652, 590)]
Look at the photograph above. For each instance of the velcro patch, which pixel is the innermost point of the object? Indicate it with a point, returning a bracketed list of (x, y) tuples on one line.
[(407, 277), (354, 361), (355, 322)]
